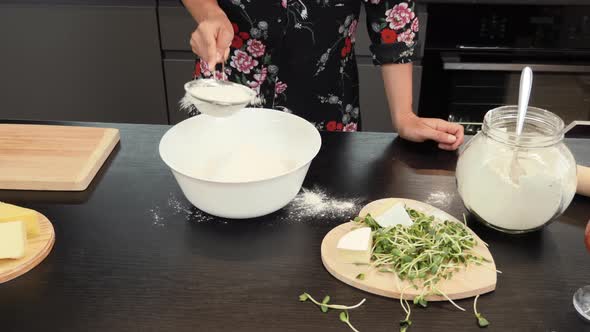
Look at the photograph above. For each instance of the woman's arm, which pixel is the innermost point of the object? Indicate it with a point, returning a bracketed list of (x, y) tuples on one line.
[(397, 79), (200, 9), (393, 29), (214, 33)]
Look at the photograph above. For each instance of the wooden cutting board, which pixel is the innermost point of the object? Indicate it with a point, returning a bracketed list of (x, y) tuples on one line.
[(38, 248), (469, 282), (42, 157)]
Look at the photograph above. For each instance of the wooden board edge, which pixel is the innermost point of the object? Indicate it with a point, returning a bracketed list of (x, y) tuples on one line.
[(35, 261), (103, 150)]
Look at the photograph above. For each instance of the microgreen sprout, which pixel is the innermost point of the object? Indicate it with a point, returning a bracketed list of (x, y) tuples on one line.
[(405, 324), (481, 321), (345, 318), (324, 306), (421, 301), (305, 296)]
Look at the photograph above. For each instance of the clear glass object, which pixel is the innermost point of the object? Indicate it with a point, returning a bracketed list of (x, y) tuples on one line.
[(582, 302), (512, 183), (582, 295)]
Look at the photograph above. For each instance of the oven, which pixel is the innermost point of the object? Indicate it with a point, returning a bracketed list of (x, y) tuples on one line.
[(474, 56)]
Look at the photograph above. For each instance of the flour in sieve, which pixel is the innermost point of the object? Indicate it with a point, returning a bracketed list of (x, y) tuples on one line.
[(227, 94)]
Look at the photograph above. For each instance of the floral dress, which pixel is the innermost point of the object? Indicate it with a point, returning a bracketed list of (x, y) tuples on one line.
[(298, 55)]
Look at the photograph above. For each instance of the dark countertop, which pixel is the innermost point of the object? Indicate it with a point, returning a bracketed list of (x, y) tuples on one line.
[(130, 254)]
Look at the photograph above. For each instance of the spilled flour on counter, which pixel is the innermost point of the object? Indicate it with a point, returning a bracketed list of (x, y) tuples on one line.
[(176, 207), (310, 205), (316, 204), (189, 212), (158, 220)]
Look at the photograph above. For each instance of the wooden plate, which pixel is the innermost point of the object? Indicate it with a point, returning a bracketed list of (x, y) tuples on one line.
[(466, 283), (37, 249)]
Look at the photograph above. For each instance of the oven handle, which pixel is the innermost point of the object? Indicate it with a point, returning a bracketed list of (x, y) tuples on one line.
[(517, 67)]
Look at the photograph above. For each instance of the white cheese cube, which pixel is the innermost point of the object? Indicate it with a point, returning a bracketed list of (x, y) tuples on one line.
[(13, 239), (397, 215), (355, 246)]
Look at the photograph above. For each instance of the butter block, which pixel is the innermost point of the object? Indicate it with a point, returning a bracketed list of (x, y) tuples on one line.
[(355, 246), (397, 215), (13, 240), (30, 218)]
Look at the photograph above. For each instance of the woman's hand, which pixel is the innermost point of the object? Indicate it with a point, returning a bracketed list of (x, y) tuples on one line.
[(413, 128), (213, 36), (398, 87)]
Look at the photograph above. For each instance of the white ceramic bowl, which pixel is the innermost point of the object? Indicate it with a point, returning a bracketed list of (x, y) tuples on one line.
[(202, 141)]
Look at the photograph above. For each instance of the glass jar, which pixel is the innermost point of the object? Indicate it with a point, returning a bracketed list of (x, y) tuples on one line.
[(512, 183)]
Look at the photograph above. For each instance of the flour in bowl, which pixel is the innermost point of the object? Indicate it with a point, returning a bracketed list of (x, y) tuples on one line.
[(247, 162)]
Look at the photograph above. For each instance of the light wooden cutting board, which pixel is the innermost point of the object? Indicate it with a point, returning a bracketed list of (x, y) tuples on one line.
[(466, 283), (55, 158)]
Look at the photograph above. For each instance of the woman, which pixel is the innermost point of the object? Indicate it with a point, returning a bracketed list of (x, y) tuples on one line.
[(299, 56)]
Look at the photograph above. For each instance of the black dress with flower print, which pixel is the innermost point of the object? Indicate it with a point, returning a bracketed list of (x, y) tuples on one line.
[(299, 56)]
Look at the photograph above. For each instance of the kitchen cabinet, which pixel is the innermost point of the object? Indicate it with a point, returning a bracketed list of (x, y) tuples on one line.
[(81, 62), (178, 70), (176, 26)]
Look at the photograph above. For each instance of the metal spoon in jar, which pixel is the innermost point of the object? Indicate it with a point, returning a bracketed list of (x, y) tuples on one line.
[(526, 82)]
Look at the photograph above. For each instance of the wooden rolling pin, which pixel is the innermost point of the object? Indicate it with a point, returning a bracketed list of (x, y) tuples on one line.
[(583, 181)]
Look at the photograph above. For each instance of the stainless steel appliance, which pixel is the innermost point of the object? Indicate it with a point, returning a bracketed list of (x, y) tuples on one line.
[(474, 55)]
